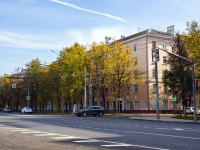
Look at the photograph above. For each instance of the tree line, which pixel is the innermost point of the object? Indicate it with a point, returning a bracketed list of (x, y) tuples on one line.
[(104, 71)]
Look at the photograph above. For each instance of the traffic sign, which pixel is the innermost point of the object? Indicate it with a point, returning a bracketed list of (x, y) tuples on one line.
[(28, 98), (14, 86), (173, 98)]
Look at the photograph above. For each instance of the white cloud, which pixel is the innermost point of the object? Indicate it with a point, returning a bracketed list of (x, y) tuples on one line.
[(97, 34), (87, 10), (11, 39), (60, 40)]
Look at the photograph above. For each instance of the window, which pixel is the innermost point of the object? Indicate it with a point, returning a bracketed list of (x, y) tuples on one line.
[(114, 105), (135, 47), (175, 106), (128, 90), (136, 105), (135, 88), (165, 105), (101, 103), (128, 105), (164, 46), (153, 44), (107, 105), (164, 60)]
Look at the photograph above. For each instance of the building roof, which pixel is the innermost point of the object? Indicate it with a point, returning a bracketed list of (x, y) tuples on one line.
[(149, 32)]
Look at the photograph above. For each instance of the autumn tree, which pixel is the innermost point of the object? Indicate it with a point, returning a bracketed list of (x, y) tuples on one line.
[(193, 44), (31, 79), (72, 63), (113, 68), (99, 70), (125, 70), (54, 86)]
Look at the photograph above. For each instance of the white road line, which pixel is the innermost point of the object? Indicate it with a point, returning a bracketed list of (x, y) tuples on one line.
[(184, 137), (18, 130), (87, 141), (48, 134), (28, 132), (146, 147), (117, 145), (65, 137)]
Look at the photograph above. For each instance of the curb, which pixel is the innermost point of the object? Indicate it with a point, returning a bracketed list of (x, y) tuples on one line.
[(164, 120)]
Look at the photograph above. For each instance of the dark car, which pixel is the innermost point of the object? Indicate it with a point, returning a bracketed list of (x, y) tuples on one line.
[(92, 110)]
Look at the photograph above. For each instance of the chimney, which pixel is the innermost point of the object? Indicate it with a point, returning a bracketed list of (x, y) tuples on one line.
[(170, 30)]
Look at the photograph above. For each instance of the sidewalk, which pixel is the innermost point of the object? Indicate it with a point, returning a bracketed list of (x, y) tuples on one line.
[(163, 118)]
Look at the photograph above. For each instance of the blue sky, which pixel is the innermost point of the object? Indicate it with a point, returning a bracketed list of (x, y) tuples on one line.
[(30, 29)]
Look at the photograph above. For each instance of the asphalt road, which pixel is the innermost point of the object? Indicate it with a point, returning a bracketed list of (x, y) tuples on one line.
[(31, 132)]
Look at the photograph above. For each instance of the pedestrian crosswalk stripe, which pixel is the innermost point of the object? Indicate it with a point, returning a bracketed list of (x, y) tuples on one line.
[(47, 134), (117, 145), (65, 137), (28, 132), (87, 141)]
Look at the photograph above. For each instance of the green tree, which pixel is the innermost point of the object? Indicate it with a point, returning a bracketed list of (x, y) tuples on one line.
[(178, 79)]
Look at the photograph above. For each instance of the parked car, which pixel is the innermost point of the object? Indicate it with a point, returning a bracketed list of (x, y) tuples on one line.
[(92, 110), (7, 109), (190, 110), (27, 110)]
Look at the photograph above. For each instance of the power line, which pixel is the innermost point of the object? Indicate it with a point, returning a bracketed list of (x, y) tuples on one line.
[(17, 37)]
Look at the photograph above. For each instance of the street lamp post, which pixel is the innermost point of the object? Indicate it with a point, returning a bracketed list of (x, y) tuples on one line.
[(193, 80)]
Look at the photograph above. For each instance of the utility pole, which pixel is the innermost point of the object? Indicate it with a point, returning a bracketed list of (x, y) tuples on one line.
[(90, 91), (85, 91), (156, 77)]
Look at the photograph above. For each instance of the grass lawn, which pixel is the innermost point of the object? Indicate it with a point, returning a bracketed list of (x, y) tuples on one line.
[(188, 117)]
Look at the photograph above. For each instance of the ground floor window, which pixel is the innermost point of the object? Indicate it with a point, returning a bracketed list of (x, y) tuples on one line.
[(175, 106), (165, 105), (102, 104), (114, 105), (128, 105), (136, 105), (107, 105)]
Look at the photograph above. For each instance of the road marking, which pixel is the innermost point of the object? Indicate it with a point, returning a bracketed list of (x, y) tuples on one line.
[(65, 137), (20, 129), (117, 145), (178, 129), (47, 134), (87, 141), (167, 135), (28, 132), (125, 145)]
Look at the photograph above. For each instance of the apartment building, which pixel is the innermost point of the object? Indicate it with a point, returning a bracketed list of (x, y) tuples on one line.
[(141, 98)]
